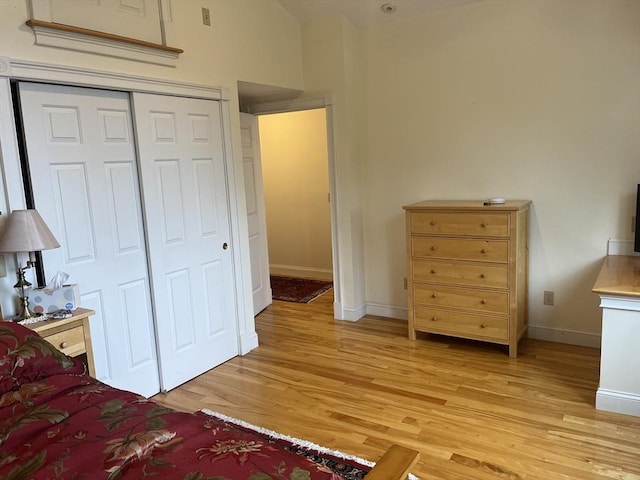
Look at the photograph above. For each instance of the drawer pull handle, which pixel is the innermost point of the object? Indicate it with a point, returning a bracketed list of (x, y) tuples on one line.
[(432, 223), (433, 248), (483, 325), (64, 345), (433, 295), (433, 272), (483, 225), (484, 250), (482, 275), (434, 319), (483, 302)]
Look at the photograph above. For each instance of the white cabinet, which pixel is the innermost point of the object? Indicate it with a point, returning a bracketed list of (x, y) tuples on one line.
[(618, 285)]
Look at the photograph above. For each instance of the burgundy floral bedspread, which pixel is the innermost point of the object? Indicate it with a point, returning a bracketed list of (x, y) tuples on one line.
[(58, 423)]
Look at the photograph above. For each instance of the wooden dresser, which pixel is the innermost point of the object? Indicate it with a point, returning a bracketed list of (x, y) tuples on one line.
[(467, 270)]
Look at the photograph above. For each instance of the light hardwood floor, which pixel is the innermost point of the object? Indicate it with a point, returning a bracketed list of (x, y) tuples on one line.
[(471, 411)]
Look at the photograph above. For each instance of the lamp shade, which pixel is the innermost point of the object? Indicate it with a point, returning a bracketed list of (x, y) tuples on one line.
[(25, 231)]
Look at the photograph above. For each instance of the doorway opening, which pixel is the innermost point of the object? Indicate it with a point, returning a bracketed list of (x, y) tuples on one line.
[(258, 100), (296, 193), (298, 144)]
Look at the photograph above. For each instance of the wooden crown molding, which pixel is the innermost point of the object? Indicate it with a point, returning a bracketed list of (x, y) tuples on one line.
[(87, 40)]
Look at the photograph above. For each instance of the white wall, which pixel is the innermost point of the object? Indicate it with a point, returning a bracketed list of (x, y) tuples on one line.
[(250, 40), (296, 186), (534, 100), (331, 62)]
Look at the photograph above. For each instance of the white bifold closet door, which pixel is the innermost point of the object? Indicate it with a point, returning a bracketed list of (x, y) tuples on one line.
[(165, 307), (186, 203), (84, 177)]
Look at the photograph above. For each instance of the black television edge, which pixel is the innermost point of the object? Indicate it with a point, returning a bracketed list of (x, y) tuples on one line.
[(636, 245)]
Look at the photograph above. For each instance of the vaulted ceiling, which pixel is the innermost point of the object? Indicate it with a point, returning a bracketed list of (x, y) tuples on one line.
[(367, 12), (360, 12)]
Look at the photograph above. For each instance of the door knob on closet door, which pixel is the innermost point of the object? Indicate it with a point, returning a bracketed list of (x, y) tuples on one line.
[(225, 245)]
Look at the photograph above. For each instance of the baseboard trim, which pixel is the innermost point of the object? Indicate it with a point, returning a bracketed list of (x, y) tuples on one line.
[(248, 342), (572, 337), (387, 311), (301, 272), (557, 335), (352, 314), (618, 402)]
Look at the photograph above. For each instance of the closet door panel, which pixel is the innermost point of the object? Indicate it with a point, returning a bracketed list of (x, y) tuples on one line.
[(204, 173), (82, 162), (71, 197), (169, 187), (123, 192), (212, 277), (180, 313), (139, 350), (187, 217)]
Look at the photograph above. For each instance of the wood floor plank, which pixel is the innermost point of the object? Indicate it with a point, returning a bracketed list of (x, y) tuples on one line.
[(471, 411)]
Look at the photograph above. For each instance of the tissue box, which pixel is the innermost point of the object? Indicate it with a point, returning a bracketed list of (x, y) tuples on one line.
[(66, 297)]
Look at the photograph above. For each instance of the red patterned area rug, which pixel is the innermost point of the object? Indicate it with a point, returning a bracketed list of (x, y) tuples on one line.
[(299, 290), (347, 467)]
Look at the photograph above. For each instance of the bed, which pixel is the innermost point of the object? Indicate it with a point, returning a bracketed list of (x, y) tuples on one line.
[(57, 422)]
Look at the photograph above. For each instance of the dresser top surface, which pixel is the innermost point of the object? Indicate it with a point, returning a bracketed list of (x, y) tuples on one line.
[(619, 275), (480, 205)]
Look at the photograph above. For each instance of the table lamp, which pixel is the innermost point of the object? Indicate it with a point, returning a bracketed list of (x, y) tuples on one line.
[(25, 232)]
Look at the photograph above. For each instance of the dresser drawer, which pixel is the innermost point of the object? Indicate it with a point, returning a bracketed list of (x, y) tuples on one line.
[(460, 249), (488, 301), (439, 271), (69, 342), (469, 224), (483, 327)]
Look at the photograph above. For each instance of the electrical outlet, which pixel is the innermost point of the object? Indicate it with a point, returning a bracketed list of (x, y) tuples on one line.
[(548, 297), (405, 283), (206, 16)]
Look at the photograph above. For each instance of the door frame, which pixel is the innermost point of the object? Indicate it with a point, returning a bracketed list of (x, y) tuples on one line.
[(313, 103), (12, 195)]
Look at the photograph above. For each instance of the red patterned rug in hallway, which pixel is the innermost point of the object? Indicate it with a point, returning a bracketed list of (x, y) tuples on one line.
[(299, 290)]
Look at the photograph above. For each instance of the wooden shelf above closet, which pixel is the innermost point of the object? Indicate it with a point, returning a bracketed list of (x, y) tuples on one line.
[(84, 39)]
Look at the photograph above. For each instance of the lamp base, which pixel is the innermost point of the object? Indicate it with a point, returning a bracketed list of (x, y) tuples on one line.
[(25, 313)]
